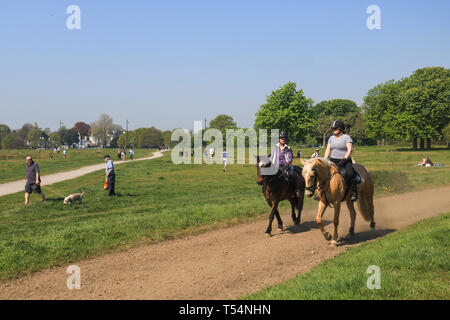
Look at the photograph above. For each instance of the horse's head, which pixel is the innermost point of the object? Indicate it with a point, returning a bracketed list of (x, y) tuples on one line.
[(309, 173), (262, 162)]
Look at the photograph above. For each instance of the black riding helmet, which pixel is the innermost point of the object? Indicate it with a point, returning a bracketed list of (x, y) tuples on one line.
[(338, 124), (283, 135)]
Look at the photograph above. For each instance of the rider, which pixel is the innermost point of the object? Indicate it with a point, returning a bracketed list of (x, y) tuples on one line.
[(341, 146), (282, 153)]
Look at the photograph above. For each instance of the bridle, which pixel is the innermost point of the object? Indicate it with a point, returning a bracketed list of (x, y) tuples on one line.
[(323, 188)]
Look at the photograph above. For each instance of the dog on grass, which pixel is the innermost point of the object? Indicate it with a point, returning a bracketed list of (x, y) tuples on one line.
[(74, 197)]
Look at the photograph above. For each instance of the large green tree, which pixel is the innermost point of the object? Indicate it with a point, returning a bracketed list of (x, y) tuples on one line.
[(286, 109), (383, 111), (426, 96), (222, 122)]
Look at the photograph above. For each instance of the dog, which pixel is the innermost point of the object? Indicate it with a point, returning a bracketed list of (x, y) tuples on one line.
[(74, 197)]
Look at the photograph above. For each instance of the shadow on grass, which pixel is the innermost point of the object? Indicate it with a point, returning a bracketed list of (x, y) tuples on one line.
[(363, 236)]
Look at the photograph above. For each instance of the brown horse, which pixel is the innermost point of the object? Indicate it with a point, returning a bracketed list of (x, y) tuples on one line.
[(322, 175), (275, 189)]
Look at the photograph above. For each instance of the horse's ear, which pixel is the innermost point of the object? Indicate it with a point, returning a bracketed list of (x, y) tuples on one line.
[(317, 162), (303, 162)]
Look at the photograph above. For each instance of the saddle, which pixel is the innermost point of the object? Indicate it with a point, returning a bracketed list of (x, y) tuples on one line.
[(357, 176)]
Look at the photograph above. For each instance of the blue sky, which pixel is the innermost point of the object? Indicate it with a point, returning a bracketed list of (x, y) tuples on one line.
[(168, 63)]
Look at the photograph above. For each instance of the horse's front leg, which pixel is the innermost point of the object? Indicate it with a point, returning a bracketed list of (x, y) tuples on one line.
[(280, 222), (272, 213), (337, 210), (320, 212)]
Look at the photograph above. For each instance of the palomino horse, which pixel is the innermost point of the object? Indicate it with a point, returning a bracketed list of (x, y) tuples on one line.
[(322, 175), (275, 189)]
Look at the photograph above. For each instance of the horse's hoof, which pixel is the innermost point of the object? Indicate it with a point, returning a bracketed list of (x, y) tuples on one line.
[(333, 243), (297, 222), (281, 229), (327, 236), (351, 232), (267, 234)]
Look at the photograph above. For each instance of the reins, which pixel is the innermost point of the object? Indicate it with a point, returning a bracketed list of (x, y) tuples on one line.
[(323, 190)]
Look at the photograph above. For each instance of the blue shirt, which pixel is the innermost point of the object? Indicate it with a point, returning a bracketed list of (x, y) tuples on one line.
[(224, 155), (109, 165)]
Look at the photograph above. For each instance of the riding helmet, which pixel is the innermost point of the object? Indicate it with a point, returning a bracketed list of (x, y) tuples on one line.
[(338, 124), (283, 135)]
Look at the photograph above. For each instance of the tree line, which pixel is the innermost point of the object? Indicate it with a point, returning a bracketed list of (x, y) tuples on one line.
[(415, 108), (104, 132)]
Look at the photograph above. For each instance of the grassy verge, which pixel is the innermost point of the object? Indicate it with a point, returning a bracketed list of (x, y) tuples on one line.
[(157, 200), (414, 264), (13, 165)]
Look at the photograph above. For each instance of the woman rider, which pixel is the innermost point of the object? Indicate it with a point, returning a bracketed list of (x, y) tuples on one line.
[(282, 154), (341, 146)]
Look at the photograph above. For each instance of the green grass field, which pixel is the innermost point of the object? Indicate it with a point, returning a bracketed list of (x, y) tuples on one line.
[(159, 200), (414, 264), (13, 164)]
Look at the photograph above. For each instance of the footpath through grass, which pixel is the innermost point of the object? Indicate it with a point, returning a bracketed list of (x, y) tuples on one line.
[(13, 165), (414, 264), (158, 201)]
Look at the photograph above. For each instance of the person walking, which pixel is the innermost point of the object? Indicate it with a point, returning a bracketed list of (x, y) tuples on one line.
[(119, 154), (110, 175), (65, 153), (33, 183), (131, 153), (225, 160)]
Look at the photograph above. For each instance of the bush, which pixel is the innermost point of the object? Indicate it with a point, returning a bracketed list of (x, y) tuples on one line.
[(391, 181)]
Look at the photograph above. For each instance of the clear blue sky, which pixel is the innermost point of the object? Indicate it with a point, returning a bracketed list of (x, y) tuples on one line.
[(168, 63)]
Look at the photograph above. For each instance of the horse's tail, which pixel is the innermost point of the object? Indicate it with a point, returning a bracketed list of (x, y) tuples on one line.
[(365, 198)]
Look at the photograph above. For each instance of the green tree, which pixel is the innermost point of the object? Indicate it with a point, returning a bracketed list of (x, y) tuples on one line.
[(4, 131), (12, 141), (149, 137), (34, 136), (426, 96), (222, 122), (287, 110), (383, 111)]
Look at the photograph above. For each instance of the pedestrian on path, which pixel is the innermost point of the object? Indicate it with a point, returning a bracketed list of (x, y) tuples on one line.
[(110, 175), (33, 183)]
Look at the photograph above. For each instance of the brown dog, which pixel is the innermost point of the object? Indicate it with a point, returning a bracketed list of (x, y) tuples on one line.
[(74, 197)]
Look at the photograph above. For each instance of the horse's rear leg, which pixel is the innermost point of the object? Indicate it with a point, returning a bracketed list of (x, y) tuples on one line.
[(351, 209), (272, 213), (293, 205), (280, 222)]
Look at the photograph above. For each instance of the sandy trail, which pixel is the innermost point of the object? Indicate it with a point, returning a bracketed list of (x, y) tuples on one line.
[(19, 185), (226, 263)]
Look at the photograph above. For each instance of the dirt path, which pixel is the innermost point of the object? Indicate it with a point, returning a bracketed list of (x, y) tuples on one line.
[(16, 186), (222, 264)]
